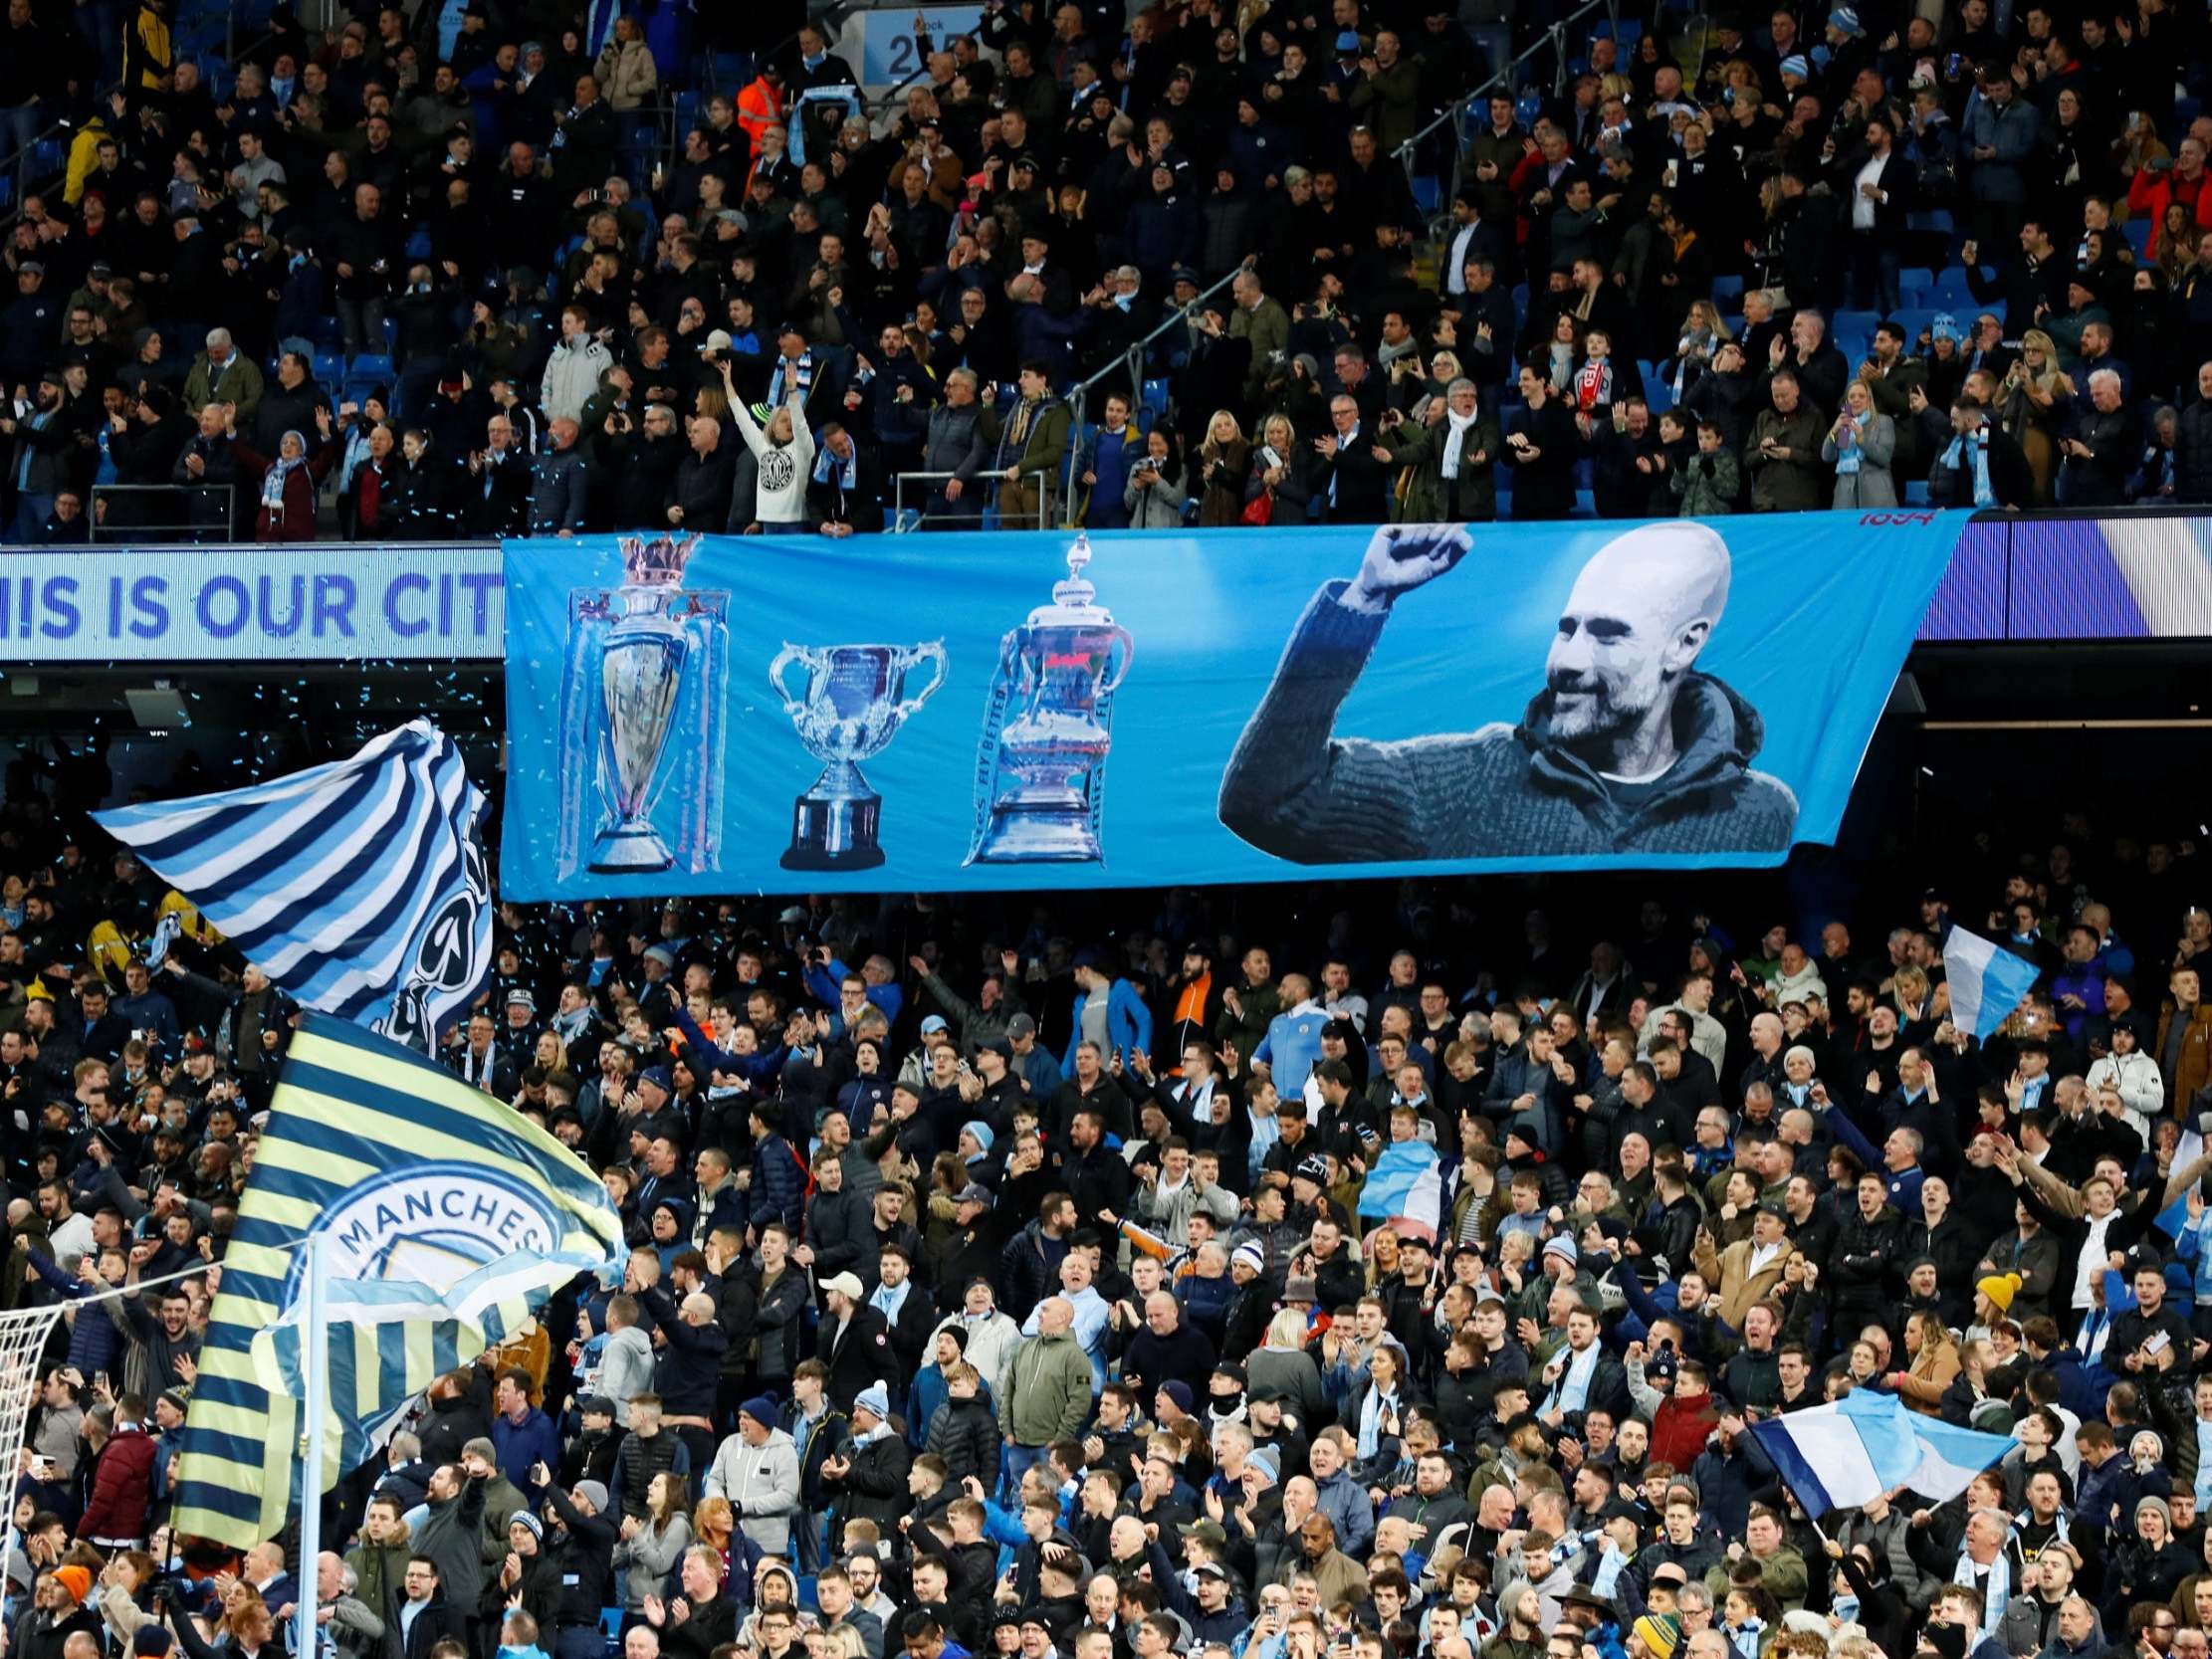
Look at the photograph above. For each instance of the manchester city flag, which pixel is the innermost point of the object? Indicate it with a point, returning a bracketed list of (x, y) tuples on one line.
[(358, 887), (446, 1218)]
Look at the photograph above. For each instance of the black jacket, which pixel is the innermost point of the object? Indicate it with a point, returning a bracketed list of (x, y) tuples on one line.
[(859, 1355)]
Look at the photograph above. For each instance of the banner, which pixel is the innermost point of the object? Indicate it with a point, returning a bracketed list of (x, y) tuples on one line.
[(449, 1217), (337, 602), (1026, 710)]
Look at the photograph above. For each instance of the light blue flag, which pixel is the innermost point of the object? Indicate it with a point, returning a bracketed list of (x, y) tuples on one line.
[(1405, 1188), (1844, 1455), (358, 887), (1986, 981)]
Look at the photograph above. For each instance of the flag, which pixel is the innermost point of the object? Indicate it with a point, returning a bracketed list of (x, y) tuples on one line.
[(447, 1218), (358, 887), (1987, 981), (2175, 1215), (1405, 1189), (1843, 1455)]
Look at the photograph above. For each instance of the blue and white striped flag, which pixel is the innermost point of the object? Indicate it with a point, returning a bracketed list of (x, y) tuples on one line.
[(447, 1218), (1987, 981), (1405, 1189), (1844, 1455), (358, 887)]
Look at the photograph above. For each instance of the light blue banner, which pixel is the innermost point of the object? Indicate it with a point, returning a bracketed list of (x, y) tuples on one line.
[(332, 601), (786, 714)]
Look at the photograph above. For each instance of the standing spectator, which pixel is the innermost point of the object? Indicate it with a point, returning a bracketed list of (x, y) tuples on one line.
[(1031, 449), (1540, 447), (1859, 447), (2099, 447), (1783, 451)]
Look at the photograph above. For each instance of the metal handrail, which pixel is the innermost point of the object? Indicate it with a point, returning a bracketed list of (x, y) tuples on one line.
[(1553, 39), (101, 492), (1047, 487), (1132, 363)]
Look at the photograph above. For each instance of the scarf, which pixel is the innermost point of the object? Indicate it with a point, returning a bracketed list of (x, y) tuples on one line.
[(1453, 439), (1572, 1393), (1848, 456), (1955, 459), (1594, 384), (272, 482), (825, 462), (890, 1299), (802, 376), (1994, 1596)]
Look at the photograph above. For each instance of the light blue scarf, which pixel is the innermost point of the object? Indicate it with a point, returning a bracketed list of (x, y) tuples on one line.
[(1955, 459)]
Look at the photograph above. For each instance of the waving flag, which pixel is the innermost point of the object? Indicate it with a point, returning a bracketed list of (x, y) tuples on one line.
[(447, 1217), (1405, 1189), (1987, 981), (358, 887), (1843, 1455)]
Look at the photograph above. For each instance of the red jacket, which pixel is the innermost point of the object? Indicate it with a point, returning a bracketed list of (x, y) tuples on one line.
[(123, 1486), (1679, 1428), (295, 520)]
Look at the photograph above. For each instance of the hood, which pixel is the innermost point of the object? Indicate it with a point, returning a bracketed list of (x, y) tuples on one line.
[(1717, 733)]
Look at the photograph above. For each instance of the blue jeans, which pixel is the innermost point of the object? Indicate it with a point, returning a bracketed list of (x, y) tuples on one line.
[(1020, 1461), (22, 123), (30, 514)]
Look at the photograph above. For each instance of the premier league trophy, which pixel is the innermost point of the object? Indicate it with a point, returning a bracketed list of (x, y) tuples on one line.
[(1040, 773), (633, 651), (851, 702)]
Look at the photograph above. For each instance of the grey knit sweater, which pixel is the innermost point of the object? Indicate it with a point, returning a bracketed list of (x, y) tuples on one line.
[(1504, 792)]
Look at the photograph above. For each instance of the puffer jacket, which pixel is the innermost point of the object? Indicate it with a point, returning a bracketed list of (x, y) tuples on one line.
[(627, 74), (965, 1433), (2192, 457)]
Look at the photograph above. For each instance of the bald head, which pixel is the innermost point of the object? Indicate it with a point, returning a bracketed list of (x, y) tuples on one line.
[(1056, 1316), (1640, 611)]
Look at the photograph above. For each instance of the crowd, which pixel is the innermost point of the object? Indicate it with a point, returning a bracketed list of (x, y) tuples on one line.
[(1619, 290), (998, 1288)]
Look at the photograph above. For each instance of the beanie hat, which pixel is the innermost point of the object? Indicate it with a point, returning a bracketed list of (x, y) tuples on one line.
[(1661, 1633), (1795, 65), (150, 1641), (1846, 19), (874, 1399), (1251, 1255), (1268, 1462), (1944, 327), (1559, 1244), (76, 1579), (528, 1521), (1179, 1391), (760, 1409), (593, 1493), (2000, 1287)]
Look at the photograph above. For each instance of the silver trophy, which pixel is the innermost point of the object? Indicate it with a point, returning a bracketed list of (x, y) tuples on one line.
[(1047, 726), (647, 635), (850, 704)]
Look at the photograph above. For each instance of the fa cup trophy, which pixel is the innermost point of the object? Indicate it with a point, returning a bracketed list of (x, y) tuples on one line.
[(1040, 772), (645, 659), (846, 711)]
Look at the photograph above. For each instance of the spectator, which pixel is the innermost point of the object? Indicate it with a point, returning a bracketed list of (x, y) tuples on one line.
[(1154, 497), (1858, 446), (285, 510), (2099, 447)]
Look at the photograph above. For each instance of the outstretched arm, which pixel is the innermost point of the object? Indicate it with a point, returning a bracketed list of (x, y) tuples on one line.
[(1291, 787)]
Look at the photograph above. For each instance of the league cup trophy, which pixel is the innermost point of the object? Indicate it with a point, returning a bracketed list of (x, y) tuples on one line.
[(847, 708), (633, 652), (1040, 772)]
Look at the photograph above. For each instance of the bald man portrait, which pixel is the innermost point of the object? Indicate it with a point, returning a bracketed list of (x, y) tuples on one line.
[(1628, 749)]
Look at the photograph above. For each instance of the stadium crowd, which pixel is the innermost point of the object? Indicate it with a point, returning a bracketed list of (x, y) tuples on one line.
[(361, 283), (1000, 1290)]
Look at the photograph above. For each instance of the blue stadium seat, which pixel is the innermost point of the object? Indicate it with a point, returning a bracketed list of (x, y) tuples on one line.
[(2139, 235), (329, 368), (1916, 493), (1727, 288), (1915, 284), (1951, 290), (370, 365), (1658, 393), (1428, 194)]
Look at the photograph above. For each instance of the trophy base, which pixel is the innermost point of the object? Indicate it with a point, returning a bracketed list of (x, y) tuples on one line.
[(632, 847), (834, 833), (1055, 834)]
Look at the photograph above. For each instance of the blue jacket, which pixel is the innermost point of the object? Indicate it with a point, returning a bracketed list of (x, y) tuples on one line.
[(1128, 1023), (1293, 1045), (516, 1446), (825, 982)]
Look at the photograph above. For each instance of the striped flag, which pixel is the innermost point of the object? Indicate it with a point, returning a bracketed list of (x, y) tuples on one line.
[(1405, 1189), (358, 887), (1843, 1455), (1986, 982), (447, 1218)]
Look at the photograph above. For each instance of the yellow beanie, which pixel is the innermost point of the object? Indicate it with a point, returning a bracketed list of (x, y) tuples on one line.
[(2000, 1287)]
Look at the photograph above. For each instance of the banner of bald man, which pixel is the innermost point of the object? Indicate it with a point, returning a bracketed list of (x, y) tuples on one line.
[(796, 714)]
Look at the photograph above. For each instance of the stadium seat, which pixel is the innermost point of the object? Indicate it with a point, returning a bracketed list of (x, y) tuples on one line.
[(1916, 284), (2139, 236), (1951, 290), (1727, 288), (370, 365), (1916, 493)]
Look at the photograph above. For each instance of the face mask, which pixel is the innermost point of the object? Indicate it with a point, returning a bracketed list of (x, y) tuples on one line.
[(1846, 1607)]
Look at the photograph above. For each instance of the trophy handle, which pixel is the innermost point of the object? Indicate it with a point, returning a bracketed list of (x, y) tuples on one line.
[(1127, 655), (933, 652), (783, 659)]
